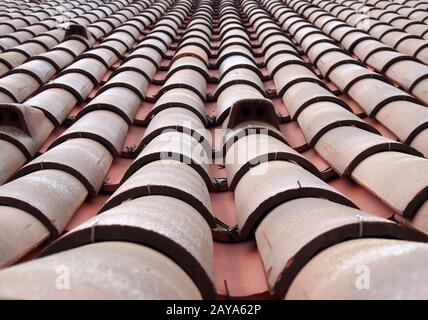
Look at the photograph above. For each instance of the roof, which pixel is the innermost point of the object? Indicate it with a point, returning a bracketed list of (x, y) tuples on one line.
[(212, 149)]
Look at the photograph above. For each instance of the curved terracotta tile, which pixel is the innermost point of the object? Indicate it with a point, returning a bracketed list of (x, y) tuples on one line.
[(58, 58), (55, 103), (185, 237), (147, 52), (291, 74), (392, 273), (316, 51), (20, 232), (11, 158), (76, 83), (328, 62), (178, 146), (194, 50), (310, 225), (232, 55), (158, 36), (51, 196), (266, 28), (345, 147), (40, 70), (152, 43), (178, 119), (182, 98), (169, 178), (246, 128), (26, 127), (188, 63), (142, 65), (419, 142), (410, 75), (373, 94), (7, 43), (380, 58), (304, 94), (187, 79), (346, 75), (99, 29), (167, 33), (240, 76), (400, 181), (129, 30), (229, 24), (108, 52), (103, 126), (129, 79), (85, 159), (255, 149), (89, 67), (9, 60), (275, 44), (30, 49), (235, 56), (152, 275), (420, 220), (419, 86), (120, 100), (18, 86), (282, 181), (405, 119), (352, 39), (123, 37), (73, 46), (320, 117)]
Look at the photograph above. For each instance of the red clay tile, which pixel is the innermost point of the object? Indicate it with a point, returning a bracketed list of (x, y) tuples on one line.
[(419, 142), (15, 223), (158, 277), (176, 146), (345, 147), (243, 46), (120, 100), (179, 97), (166, 177), (11, 158), (282, 181), (77, 84), (18, 86), (304, 94), (185, 238), (25, 127), (91, 68), (310, 225), (53, 199), (408, 173), (103, 126), (131, 80), (392, 277), (178, 119), (255, 149), (55, 103), (189, 79), (188, 63), (420, 220), (320, 117), (85, 159)]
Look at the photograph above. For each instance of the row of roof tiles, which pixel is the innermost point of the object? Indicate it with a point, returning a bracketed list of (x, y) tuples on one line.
[(291, 193)]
